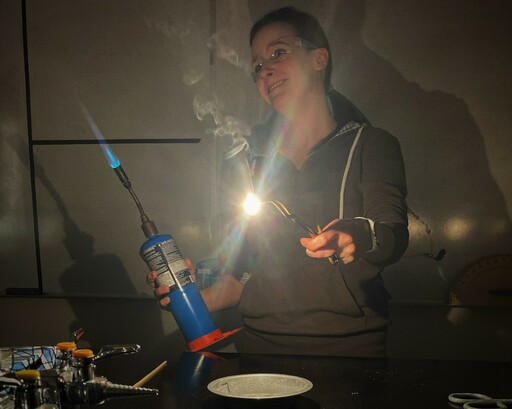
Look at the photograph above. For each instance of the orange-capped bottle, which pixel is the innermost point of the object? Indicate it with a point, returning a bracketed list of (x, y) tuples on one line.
[(83, 365), (65, 360)]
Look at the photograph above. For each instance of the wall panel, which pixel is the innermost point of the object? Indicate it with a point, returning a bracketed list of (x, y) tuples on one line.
[(434, 75), (17, 242)]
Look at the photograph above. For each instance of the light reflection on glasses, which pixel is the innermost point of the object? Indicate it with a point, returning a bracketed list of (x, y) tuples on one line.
[(277, 51)]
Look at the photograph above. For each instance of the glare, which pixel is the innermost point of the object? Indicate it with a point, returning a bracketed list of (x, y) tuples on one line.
[(457, 228), (252, 204)]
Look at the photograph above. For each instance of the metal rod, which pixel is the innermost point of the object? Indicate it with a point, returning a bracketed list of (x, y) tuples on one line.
[(293, 217), (30, 148)]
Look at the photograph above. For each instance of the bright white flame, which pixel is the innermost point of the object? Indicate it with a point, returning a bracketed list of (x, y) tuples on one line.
[(252, 204)]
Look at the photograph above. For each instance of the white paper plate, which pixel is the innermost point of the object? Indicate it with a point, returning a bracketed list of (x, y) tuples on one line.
[(259, 386)]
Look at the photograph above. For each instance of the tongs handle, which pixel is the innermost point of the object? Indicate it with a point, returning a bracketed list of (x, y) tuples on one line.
[(334, 260), (109, 351)]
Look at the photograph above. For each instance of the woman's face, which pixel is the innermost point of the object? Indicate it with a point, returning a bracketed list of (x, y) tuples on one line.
[(284, 71)]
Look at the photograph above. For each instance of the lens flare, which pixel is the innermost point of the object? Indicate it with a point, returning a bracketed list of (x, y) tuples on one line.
[(252, 204)]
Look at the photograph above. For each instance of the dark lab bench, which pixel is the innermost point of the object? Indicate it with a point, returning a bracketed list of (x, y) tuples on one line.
[(338, 383)]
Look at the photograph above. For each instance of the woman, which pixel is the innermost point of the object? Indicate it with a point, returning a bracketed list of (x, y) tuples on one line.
[(318, 156)]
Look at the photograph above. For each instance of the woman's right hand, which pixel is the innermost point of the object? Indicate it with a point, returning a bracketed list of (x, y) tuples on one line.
[(161, 292)]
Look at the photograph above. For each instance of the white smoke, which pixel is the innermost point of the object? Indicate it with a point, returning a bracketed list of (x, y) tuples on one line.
[(192, 77), (179, 30), (225, 126), (227, 53)]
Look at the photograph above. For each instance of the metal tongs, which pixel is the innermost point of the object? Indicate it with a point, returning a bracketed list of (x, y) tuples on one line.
[(334, 260)]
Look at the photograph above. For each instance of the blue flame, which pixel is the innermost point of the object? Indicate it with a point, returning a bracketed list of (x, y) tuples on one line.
[(112, 159)]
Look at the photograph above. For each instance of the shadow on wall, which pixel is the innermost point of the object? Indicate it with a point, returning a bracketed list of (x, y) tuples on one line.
[(450, 184), (15, 205), (92, 275), (88, 273), (100, 275), (456, 203), (98, 291)]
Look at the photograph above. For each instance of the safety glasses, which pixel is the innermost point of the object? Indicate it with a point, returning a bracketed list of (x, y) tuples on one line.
[(277, 51)]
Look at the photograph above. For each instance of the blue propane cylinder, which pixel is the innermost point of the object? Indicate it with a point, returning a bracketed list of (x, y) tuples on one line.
[(162, 255)]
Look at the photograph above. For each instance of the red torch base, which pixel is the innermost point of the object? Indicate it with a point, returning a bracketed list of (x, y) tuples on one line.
[(209, 339)]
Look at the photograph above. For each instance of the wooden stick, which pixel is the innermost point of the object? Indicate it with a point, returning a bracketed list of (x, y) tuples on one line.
[(150, 375)]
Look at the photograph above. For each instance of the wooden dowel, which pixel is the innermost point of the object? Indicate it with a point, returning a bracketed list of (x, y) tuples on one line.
[(151, 374)]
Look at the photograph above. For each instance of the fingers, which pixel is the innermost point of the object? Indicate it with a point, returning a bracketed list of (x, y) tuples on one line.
[(347, 254), (189, 265), (164, 302), (331, 224), (160, 293), (191, 268), (328, 243), (151, 277)]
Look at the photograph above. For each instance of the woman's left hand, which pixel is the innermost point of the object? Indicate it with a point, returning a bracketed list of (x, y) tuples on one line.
[(329, 242)]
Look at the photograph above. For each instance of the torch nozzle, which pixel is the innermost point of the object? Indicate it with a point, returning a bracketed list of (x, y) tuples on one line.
[(123, 177), (148, 227)]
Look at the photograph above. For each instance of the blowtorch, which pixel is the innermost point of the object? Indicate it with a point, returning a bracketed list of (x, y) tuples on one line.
[(161, 254)]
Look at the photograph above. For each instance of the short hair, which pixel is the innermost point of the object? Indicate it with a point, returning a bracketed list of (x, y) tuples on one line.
[(305, 25)]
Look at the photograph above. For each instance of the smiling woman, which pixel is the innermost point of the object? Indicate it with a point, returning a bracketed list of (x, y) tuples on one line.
[(318, 158), (289, 69)]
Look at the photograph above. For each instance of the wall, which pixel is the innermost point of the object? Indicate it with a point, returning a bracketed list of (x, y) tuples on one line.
[(434, 74), (110, 63)]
